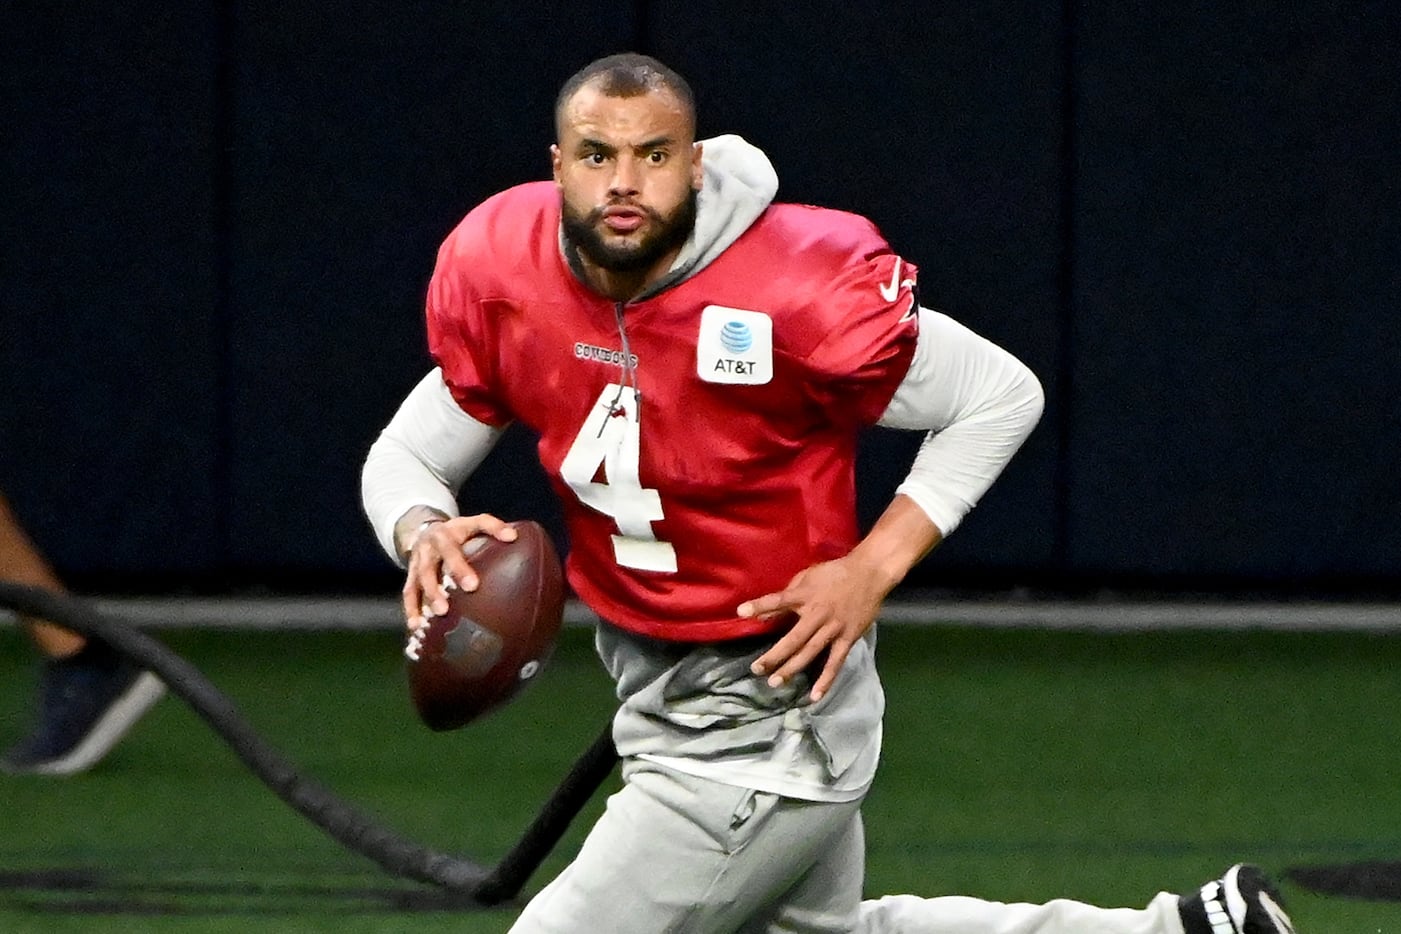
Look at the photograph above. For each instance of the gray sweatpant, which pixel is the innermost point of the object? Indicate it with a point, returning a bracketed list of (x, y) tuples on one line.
[(677, 853)]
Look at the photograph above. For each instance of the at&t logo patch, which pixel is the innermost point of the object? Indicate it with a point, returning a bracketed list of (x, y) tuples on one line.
[(735, 346), (736, 337)]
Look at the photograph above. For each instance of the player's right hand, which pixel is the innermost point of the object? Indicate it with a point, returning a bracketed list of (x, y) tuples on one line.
[(436, 563)]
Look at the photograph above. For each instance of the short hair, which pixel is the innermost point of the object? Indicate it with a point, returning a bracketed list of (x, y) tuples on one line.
[(627, 74)]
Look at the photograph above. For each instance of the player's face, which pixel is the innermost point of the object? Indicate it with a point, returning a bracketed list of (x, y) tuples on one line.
[(628, 170)]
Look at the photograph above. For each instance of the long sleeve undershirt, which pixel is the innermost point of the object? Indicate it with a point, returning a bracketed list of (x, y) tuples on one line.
[(978, 403)]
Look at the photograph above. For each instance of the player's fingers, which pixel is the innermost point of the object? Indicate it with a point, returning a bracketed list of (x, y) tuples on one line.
[(412, 597), (503, 531), (458, 546), (484, 523), (804, 656), (426, 573), (790, 599), (454, 571), (768, 604), (836, 657), (807, 626), (438, 564), (780, 651)]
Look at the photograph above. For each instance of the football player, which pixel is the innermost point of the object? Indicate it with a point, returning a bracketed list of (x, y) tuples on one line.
[(698, 361)]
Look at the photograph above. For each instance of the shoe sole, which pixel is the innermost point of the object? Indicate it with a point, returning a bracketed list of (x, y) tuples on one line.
[(115, 723)]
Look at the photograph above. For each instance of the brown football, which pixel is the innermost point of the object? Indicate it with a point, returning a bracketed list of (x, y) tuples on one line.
[(494, 640)]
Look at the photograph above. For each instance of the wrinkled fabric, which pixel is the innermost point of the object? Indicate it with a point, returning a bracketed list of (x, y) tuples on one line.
[(703, 702)]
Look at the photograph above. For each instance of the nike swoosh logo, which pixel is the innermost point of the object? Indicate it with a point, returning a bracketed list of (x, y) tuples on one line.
[(888, 292), (1276, 914)]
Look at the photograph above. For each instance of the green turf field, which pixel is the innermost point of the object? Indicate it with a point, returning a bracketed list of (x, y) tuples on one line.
[(1019, 766)]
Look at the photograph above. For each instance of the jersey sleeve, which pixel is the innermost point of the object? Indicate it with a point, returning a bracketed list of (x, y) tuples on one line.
[(460, 333), (871, 317)]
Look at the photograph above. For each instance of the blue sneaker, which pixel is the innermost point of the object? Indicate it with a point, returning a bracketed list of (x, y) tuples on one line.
[(1243, 901), (87, 703)]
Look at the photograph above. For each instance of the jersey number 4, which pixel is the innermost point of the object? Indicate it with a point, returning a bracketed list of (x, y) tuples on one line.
[(610, 440)]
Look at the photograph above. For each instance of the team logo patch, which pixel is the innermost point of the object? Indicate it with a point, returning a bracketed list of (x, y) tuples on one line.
[(735, 346)]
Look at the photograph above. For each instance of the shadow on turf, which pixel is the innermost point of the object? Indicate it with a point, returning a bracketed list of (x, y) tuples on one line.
[(93, 891), (1377, 881)]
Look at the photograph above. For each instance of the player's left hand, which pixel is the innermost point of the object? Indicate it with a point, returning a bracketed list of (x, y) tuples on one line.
[(835, 603)]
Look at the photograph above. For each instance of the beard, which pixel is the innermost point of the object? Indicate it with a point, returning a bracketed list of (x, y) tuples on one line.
[(666, 234)]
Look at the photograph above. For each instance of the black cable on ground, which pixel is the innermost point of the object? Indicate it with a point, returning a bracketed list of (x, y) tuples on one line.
[(316, 803)]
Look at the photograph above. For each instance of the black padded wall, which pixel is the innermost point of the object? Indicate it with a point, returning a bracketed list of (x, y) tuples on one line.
[(109, 332), (1237, 361), (219, 222)]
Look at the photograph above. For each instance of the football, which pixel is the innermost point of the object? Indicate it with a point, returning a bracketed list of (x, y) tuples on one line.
[(492, 641)]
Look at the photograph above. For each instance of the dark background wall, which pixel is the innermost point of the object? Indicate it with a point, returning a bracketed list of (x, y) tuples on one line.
[(219, 220)]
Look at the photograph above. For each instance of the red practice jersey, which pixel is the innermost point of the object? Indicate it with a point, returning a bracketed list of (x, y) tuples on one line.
[(718, 461)]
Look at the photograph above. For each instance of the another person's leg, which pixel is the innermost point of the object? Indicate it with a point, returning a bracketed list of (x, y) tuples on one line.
[(89, 697)]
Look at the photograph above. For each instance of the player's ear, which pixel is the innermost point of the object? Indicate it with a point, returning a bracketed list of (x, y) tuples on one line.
[(697, 169), (556, 163)]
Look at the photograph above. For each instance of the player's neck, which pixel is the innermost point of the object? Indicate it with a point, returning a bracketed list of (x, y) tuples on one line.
[(625, 286)]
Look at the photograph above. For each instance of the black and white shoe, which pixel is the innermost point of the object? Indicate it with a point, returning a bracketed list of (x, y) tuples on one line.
[(1243, 901), (87, 703)]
